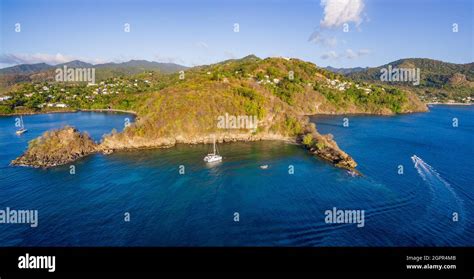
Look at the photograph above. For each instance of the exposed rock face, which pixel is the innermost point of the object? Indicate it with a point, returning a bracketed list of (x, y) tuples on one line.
[(57, 147), (120, 141), (459, 79), (335, 155), (327, 149), (414, 104)]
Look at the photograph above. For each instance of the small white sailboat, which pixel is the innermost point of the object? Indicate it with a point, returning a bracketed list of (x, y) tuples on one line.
[(214, 156), (264, 167), (22, 127)]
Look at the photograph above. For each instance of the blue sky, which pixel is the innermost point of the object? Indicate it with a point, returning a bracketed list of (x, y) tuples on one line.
[(202, 32)]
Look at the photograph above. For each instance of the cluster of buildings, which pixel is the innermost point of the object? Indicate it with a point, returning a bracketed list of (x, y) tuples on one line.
[(344, 85), (266, 80), (53, 105), (441, 100), (54, 93), (106, 88)]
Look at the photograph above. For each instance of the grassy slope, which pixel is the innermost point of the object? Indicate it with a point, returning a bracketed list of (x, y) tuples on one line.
[(190, 107)]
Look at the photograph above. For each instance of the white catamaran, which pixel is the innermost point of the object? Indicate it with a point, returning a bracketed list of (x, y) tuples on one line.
[(214, 156), (22, 127)]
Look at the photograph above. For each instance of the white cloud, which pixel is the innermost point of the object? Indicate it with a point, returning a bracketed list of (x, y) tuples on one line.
[(335, 14), (53, 59), (338, 12), (202, 45), (230, 55), (34, 58), (351, 54), (319, 38), (364, 51), (330, 55), (168, 59)]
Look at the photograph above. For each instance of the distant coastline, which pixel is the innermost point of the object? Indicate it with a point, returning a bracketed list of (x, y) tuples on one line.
[(364, 113), (68, 111), (451, 104), (134, 113), (38, 112), (110, 110)]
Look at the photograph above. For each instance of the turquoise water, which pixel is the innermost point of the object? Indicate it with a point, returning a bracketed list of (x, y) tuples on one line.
[(275, 208)]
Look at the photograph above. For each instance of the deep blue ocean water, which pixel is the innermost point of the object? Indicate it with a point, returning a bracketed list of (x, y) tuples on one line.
[(275, 208)]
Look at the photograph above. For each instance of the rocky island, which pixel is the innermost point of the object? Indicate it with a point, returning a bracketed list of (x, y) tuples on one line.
[(57, 147), (184, 108)]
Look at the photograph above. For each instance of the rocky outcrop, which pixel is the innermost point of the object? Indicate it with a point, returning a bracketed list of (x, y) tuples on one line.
[(334, 155), (457, 79), (57, 147), (324, 147)]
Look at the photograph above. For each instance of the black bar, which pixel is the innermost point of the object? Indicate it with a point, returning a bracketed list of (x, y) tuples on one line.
[(341, 259)]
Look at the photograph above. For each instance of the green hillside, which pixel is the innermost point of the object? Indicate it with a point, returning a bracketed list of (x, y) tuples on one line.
[(440, 81), (185, 107)]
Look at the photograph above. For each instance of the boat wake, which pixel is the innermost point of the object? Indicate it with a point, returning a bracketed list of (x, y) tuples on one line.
[(445, 201), (432, 177)]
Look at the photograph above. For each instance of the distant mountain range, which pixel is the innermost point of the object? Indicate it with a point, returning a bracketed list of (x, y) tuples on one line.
[(434, 73), (26, 68), (132, 65), (439, 80), (45, 72), (345, 71)]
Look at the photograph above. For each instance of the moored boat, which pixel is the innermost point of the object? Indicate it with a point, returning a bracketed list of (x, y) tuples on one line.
[(214, 156)]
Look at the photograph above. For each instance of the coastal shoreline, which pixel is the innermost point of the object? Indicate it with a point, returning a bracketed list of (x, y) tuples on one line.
[(38, 112), (107, 146), (74, 140), (309, 115), (70, 111), (365, 114), (450, 104), (131, 149), (109, 110)]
